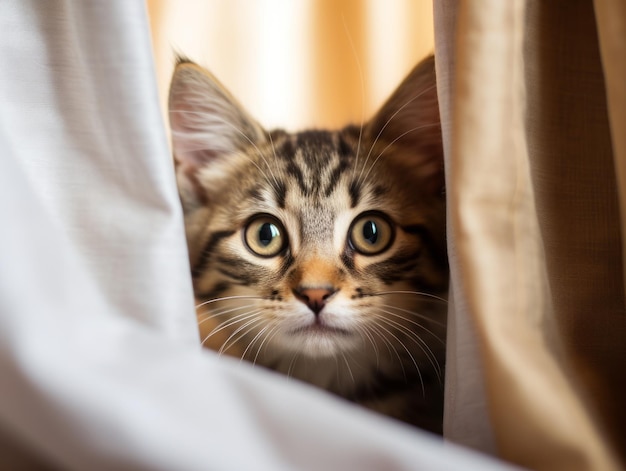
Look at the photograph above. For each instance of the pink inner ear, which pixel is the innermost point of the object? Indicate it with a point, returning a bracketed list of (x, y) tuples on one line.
[(189, 152), (183, 143), (192, 130)]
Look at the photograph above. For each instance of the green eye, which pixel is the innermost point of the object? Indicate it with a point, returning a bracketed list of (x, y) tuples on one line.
[(264, 236), (371, 233)]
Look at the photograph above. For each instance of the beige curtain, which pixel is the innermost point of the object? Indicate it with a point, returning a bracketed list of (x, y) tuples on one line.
[(533, 104), (535, 231)]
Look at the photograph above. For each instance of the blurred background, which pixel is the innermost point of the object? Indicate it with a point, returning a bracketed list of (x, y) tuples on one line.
[(296, 63)]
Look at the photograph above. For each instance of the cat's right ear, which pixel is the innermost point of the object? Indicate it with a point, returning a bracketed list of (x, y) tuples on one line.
[(409, 121), (207, 125)]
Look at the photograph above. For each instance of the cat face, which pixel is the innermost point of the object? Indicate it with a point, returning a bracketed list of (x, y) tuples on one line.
[(317, 243)]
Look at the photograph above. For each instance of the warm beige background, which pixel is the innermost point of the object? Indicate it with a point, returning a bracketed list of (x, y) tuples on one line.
[(296, 63)]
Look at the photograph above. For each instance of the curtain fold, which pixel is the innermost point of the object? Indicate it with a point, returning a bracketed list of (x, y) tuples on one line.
[(534, 231), (466, 416), (611, 23)]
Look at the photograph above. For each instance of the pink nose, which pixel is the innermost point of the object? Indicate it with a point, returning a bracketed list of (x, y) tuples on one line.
[(314, 298)]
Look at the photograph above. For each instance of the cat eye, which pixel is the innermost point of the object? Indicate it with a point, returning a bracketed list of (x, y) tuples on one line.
[(264, 236), (371, 233)]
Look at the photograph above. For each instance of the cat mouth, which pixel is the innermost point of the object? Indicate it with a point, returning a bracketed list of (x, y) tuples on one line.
[(318, 328)]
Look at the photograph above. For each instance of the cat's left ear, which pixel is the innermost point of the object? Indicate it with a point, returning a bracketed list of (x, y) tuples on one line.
[(409, 121), (208, 125)]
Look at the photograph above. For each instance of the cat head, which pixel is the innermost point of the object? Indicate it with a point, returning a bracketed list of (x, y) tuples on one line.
[(315, 242)]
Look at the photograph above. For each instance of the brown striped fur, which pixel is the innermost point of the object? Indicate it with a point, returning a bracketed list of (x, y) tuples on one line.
[(368, 327)]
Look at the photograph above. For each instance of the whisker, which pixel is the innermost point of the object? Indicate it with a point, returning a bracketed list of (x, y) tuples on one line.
[(268, 337), (252, 342), (348, 366), (225, 321), (292, 363), (252, 322), (205, 315), (417, 324), (226, 298), (389, 345), (420, 293), (230, 322), (419, 373), (230, 319), (337, 375), (432, 358), (415, 314)]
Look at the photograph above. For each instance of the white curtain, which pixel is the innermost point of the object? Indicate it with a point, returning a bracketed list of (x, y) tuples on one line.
[(100, 366)]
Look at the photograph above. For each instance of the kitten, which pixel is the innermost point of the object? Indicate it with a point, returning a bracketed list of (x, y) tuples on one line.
[(320, 254)]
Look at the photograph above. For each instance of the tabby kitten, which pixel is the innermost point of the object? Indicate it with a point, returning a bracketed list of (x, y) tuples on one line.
[(320, 254)]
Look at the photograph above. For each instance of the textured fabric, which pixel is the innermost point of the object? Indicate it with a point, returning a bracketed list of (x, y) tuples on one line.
[(99, 360), (534, 231), (466, 417), (577, 201)]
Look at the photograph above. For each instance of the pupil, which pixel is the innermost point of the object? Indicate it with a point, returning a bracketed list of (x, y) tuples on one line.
[(267, 233), (370, 232)]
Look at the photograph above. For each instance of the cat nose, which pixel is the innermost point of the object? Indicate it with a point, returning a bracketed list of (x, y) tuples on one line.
[(314, 298)]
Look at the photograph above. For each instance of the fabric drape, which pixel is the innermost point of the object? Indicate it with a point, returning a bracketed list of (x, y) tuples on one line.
[(533, 122)]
